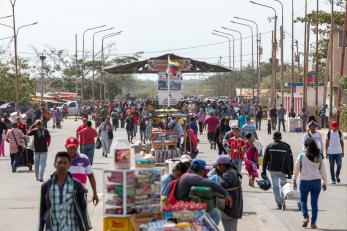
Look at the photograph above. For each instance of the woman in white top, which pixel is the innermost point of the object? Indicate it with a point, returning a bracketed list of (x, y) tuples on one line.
[(314, 134), (311, 168)]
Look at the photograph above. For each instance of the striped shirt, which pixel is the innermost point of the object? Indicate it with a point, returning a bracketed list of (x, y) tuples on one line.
[(80, 168), (236, 145), (11, 137)]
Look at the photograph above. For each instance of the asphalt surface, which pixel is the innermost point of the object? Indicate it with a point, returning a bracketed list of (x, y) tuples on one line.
[(20, 192)]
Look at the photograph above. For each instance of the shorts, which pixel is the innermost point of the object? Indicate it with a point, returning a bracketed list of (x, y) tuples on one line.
[(210, 136)]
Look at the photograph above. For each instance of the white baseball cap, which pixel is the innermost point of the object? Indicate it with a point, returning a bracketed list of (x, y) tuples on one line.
[(185, 158)]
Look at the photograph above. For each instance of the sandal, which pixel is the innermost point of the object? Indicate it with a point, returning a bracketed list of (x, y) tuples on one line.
[(305, 222)]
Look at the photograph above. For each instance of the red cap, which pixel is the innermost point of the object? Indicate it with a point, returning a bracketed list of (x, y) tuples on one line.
[(71, 142), (334, 124)]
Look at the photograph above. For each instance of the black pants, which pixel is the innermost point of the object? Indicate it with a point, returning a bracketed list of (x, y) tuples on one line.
[(221, 149)]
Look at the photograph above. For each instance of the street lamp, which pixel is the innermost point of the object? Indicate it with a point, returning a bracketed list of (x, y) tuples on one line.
[(274, 60), (258, 52), (82, 66), (93, 69), (15, 34), (231, 79), (8, 16), (281, 31), (252, 38), (103, 60), (42, 58), (241, 73)]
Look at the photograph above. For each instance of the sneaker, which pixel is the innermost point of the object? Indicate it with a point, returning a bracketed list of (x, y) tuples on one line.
[(338, 179), (279, 206), (313, 226), (13, 170), (333, 182)]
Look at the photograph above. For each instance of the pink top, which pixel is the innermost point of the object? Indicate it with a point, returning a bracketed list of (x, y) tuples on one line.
[(212, 123), (201, 117), (10, 138)]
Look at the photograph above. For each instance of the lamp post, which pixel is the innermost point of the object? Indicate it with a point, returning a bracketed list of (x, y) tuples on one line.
[(274, 60), (292, 74), (281, 31), (15, 34), (241, 72), (42, 58), (258, 53), (103, 61), (252, 38), (93, 69), (8, 16), (231, 79), (82, 65)]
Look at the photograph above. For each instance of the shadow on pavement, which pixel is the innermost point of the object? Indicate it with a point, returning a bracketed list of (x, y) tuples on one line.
[(24, 171)]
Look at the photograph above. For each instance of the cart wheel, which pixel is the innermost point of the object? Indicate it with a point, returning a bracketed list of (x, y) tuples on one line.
[(30, 167)]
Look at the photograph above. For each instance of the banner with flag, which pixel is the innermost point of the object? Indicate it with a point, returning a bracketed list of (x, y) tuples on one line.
[(310, 77), (172, 67)]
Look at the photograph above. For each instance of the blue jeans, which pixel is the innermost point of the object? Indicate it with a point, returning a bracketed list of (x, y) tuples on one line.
[(278, 181), (281, 121), (332, 159), (15, 160), (313, 187), (216, 215), (88, 149), (258, 124), (40, 164)]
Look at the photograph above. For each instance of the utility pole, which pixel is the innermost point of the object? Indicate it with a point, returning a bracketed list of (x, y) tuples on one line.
[(292, 74), (331, 60), (42, 58), (76, 63), (13, 3), (305, 59), (317, 60), (273, 99), (342, 63), (281, 42), (298, 58)]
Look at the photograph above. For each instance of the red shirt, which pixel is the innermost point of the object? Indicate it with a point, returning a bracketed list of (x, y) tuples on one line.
[(88, 135), (80, 128), (136, 119), (236, 144), (212, 123)]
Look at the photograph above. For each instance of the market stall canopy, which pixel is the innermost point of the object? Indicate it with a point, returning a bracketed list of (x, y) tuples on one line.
[(159, 64)]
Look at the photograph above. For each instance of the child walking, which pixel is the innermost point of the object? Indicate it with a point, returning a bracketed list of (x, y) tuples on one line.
[(251, 159), (269, 127)]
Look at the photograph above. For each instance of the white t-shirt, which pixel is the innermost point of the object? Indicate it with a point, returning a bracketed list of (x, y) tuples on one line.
[(334, 143), (317, 137)]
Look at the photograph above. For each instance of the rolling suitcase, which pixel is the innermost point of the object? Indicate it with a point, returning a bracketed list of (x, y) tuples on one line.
[(27, 158)]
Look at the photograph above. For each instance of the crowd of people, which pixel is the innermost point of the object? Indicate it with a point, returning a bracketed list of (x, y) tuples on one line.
[(230, 127)]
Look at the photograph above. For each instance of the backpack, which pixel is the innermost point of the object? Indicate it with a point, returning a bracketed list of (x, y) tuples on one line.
[(171, 199), (340, 134)]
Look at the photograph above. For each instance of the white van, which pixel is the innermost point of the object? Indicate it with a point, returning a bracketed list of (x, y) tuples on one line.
[(72, 107)]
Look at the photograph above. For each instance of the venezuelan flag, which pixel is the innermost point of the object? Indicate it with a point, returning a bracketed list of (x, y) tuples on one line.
[(310, 76), (172, 67)]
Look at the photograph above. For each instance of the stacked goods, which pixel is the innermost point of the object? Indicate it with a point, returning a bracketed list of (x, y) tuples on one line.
[(144, 161), (162, 155), (136, 190), (184, 211)]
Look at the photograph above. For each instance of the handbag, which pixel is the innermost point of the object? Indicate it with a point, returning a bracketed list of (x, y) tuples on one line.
[(98, 144), (110, 134), (20, 147)]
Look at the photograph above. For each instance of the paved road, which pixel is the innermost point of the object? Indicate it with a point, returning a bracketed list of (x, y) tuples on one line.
[(19, 192)]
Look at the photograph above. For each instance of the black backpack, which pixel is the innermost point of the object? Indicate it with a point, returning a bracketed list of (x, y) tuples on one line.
[(340, 134)]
